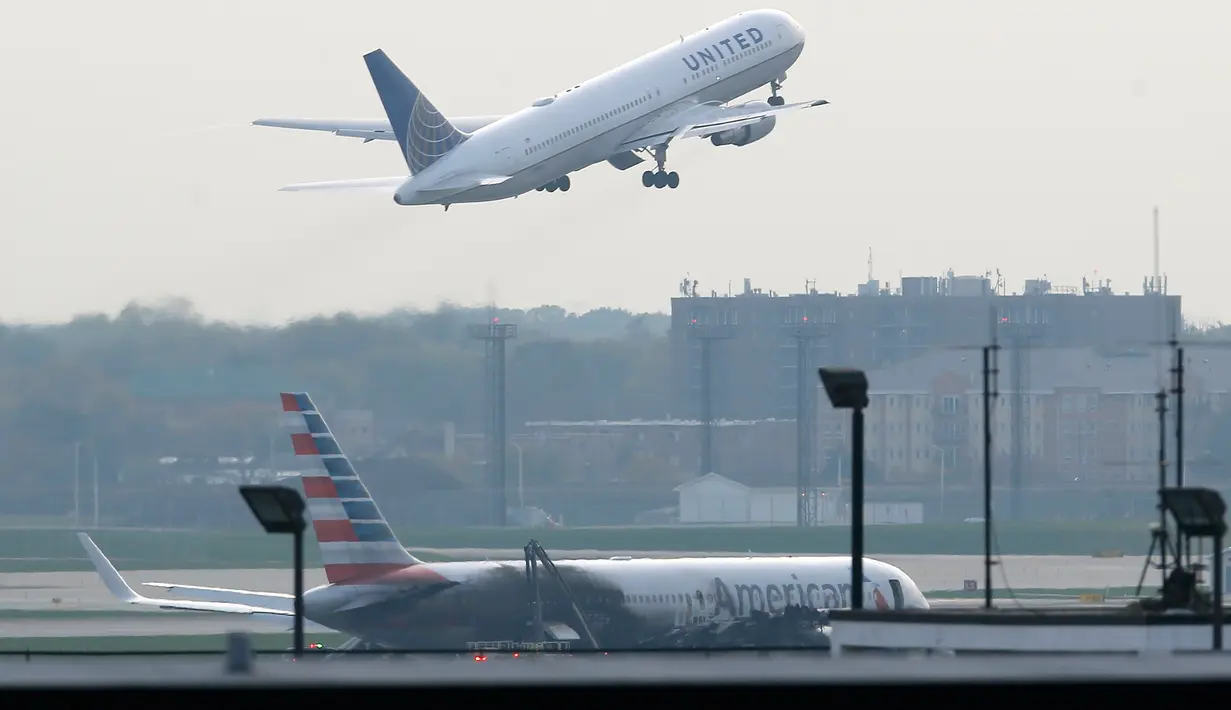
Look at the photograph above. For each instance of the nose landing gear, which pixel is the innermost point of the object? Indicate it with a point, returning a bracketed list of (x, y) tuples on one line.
[(774, 98)]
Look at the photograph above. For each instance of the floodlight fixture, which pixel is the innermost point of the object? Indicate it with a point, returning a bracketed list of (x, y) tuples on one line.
[(846, 387)]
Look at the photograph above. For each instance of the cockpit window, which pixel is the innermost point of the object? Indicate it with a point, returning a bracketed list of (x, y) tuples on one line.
[(899, 601)]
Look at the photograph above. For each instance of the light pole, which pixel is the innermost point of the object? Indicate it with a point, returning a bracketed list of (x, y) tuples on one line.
[(521, 491), (942, 481), (280, 511), (848, 389), (76, 483), (95, 487)]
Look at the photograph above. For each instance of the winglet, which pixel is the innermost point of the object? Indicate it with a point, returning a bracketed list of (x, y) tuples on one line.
[(115, 583)]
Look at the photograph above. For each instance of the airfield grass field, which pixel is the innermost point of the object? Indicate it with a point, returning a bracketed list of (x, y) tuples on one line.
[(44, 549)]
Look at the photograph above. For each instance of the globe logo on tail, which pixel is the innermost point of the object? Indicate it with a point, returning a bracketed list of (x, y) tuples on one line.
[(429, 135)]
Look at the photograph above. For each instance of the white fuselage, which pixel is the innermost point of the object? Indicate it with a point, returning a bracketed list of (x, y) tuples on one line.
[(657, 594), (589, 123)]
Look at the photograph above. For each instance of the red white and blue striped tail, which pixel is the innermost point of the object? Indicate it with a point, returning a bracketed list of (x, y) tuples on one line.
[(356, 542)]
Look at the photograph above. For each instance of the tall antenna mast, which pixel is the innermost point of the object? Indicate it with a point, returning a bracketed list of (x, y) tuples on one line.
[(1161, 334), (869, 264)]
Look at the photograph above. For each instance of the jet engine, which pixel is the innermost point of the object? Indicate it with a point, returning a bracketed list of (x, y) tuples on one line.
[(750, 133)]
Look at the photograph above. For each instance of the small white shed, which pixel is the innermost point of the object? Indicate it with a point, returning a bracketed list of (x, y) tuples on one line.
[(772, 506), (713, 499)]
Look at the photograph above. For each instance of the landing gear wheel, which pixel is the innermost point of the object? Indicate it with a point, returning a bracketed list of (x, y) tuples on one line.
[(564, 183), (660, 178), (551, 187), (774, 98)]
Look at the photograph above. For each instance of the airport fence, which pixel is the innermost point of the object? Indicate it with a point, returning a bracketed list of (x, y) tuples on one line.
[(218, 507)]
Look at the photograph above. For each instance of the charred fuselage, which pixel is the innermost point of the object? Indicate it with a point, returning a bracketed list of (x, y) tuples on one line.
[(491, 604)]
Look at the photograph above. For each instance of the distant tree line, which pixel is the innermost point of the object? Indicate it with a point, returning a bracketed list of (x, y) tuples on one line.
[(160, 380)]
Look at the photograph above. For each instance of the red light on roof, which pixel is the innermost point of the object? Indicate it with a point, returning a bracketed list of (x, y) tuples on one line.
[(480, 659), (495, 320)]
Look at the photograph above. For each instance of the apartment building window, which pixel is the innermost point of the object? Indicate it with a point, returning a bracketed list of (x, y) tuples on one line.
[(1066, 402), (700, 316), (949, 405), (1092, 402), (728, 316)]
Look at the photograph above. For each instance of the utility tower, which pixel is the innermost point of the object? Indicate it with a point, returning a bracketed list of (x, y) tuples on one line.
[(805, 334), (495, 334), (706, 335), (1019, 337)]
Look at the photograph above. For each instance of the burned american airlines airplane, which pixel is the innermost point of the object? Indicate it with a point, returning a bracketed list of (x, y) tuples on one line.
[(383, 596)]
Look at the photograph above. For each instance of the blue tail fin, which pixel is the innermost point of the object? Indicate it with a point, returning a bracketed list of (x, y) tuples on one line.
[(423, 134)]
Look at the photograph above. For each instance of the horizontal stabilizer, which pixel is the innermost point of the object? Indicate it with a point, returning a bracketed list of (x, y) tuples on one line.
[(386, 184), (369, 129)]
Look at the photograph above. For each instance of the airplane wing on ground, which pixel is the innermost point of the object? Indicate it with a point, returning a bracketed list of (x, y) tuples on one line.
[(277, 607), (706, 120), (369, 129)]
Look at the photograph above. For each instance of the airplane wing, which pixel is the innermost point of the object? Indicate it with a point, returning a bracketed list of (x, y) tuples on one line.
[(267, 607), (369, 129), (706, 120)]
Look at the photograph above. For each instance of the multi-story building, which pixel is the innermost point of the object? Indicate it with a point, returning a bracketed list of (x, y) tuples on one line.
[(754, 358), (1085, 415)]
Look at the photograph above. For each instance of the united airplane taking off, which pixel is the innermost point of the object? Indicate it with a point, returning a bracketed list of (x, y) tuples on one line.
[(382, 596), (679, 91)]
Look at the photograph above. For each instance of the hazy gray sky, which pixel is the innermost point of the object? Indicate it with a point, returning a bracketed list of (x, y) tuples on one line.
[(1033, 137)]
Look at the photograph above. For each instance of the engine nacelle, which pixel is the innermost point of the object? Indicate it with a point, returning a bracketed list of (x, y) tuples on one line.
[(750, 133)]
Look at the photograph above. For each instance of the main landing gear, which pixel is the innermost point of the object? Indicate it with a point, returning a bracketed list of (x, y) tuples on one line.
[(774, 98), (562, 184), (658, 177)]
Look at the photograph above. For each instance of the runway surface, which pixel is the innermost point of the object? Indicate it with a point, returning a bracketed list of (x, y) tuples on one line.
[(705, 671), (79, 591)]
